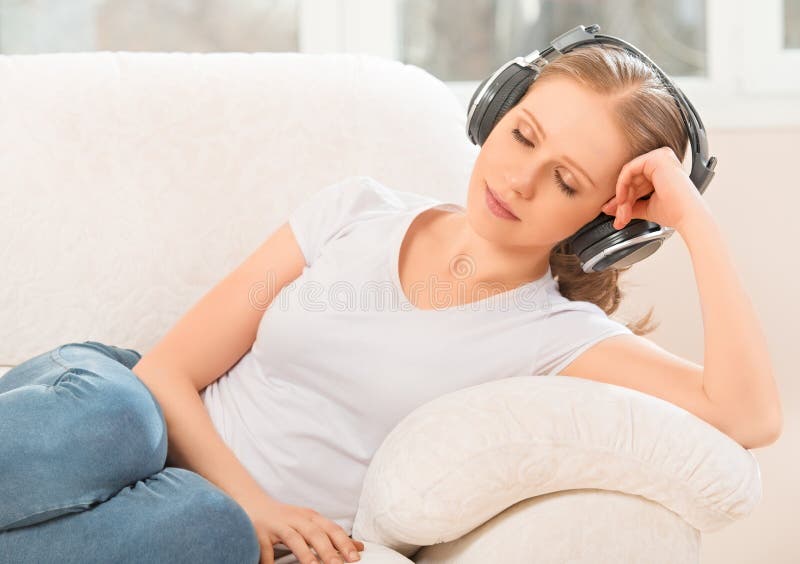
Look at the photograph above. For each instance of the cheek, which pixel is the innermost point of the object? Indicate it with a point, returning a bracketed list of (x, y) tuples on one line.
[(546, 222), (560, 217), (475, 194)]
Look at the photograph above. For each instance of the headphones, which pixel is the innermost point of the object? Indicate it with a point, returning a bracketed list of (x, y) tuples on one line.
[(598, 245)]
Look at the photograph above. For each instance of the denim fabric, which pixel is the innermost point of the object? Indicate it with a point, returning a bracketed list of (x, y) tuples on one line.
[(83, 446)]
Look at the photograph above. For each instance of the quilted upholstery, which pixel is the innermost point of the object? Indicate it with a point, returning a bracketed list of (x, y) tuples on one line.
[(137, 180), (494, 445)]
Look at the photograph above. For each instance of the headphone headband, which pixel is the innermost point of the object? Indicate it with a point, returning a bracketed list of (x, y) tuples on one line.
[(598, 245), (702, 164)]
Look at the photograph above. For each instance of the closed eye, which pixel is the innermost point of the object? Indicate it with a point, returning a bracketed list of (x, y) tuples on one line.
[(566, 188)]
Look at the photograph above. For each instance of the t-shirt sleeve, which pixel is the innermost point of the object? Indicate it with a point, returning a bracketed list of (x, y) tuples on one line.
[(568, 331), (328, 213)]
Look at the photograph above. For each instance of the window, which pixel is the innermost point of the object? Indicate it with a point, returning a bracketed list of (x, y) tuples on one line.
[(738, 61), (460, 45), (771, 64), (148, 25), (791, 24), (728, 56)]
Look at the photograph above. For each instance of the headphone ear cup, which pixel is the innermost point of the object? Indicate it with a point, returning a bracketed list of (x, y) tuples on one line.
[(596, 237), (503, 93), (594, 231), (597, 229), (472, 126)]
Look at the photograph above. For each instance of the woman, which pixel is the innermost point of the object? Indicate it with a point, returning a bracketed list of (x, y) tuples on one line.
[(276, 397)]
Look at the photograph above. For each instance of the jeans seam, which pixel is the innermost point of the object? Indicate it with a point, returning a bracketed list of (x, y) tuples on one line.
[(73, 504), (70, 370), (56, 357)]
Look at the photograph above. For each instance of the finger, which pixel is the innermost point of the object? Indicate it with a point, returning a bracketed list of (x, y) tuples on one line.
[(297, 544), (623, 193), (618, 220), (359, 545), (639, 209), (632, 168), (267, 554), (624, 215), (638, 167), (641, 189), (320, 541), (340, 538), (622, 207)]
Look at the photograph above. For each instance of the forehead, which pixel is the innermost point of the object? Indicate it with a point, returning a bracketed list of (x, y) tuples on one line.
[(566, 105), (578, 123)]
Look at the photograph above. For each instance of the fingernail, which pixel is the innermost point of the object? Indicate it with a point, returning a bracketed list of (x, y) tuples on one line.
[(353, 556)]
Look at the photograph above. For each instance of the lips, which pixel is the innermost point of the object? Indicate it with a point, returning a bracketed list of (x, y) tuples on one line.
[(504, 205)]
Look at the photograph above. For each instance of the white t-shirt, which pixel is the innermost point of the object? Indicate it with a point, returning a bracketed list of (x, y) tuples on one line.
[(341, 355)]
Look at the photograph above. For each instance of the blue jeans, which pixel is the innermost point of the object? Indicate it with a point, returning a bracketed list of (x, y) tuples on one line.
[(83, 445)]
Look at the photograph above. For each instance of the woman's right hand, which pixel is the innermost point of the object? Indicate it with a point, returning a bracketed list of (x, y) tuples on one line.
[(300, 528)]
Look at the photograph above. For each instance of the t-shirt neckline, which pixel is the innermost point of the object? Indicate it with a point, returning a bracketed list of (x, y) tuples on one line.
[(394, 267)]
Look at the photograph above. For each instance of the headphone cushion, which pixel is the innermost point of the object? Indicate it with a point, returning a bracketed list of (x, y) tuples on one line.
[(590, 233), (510, 87)]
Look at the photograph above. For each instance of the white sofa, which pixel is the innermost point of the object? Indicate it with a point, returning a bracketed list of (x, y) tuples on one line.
[(132, 182)]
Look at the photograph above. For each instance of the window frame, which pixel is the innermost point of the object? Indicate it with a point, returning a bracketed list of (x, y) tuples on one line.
[(751, 81)]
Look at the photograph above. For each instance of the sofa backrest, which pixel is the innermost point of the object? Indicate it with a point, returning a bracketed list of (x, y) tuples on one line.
[(132, 182)]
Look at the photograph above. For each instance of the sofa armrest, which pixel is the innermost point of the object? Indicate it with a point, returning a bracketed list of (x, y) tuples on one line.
[(454, 463), (586, 526)]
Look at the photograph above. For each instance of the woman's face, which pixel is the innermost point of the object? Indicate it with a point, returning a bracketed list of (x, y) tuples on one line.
[(575, 139)]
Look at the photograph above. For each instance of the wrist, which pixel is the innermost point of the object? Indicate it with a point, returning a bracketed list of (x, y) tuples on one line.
[(699, 214), (254, 503)]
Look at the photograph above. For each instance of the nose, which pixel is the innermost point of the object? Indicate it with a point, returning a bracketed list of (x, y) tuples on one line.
[(526, 175), (523, 177), (524, 184)]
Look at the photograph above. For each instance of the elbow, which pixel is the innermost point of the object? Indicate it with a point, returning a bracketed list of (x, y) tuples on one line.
[(775, 429), (773, 424), (760, 432)]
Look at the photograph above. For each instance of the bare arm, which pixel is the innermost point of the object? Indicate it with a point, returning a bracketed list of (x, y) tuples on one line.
[(210, 338), (194, 443), (738, 374), (214, 335)]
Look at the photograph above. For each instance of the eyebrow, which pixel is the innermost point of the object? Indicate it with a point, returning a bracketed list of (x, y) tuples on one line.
[(568, 160)]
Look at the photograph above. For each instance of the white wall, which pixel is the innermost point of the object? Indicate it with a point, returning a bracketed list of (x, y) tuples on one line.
[(754, 196)]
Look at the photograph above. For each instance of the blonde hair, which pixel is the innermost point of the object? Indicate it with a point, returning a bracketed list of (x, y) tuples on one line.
[(649, 118)]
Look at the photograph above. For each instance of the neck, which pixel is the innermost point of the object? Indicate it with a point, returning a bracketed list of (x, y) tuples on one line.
[(486, 261)]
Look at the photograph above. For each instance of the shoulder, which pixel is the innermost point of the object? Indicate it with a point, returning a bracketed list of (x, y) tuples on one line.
[(560, 307), (366, 193), (580, 322), (568, 328), (338, 208)]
